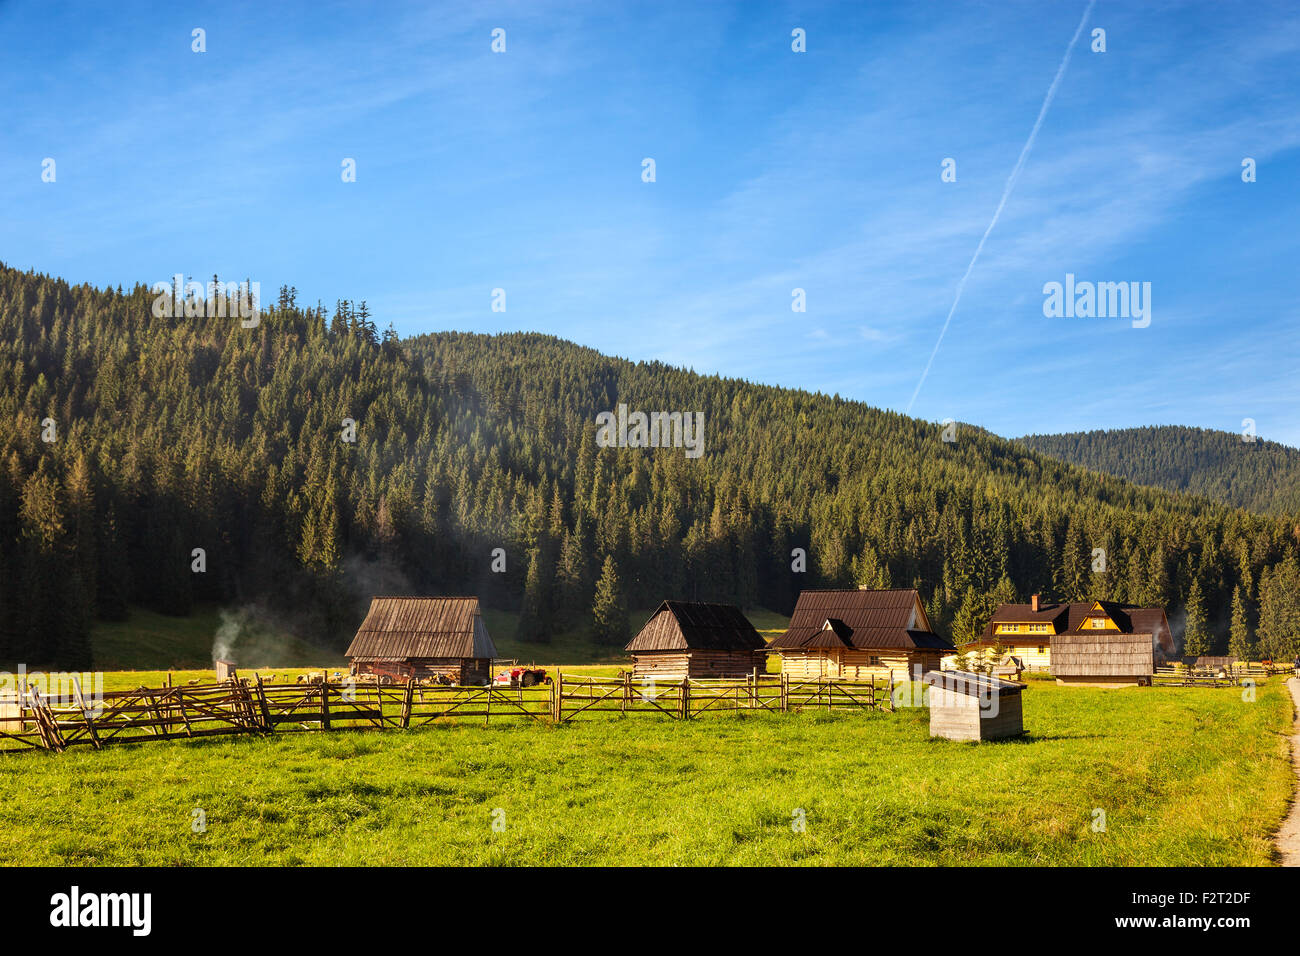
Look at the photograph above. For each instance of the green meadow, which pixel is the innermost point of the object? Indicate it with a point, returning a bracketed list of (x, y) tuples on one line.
[(1183, 776)]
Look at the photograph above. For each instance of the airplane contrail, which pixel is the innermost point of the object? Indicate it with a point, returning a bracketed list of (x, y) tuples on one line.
[(1006, 193)]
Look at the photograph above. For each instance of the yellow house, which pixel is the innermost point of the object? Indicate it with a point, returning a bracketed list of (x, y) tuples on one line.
[(1026, 630)]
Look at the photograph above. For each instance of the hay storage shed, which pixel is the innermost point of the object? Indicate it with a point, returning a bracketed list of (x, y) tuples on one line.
[(692, 639), (405, 637), (1103, 660), (965, 706)]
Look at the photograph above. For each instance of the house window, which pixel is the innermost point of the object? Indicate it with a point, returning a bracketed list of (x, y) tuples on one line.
[(874, 661), (1098, 622), (1042, 649)]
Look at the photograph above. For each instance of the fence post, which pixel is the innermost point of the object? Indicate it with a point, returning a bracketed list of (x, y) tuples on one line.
[(325, 703), (784, 692), (627, 692), (267, 726), (85, 714), (685, 702), (46, 723), (407, 701)]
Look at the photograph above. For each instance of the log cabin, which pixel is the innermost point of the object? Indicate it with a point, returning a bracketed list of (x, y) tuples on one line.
[(1028, 630), (417, 637), (859, 635), (693, 639)]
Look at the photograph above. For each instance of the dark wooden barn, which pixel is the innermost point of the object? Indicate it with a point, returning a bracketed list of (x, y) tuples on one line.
[(690, 639), (405, 637)]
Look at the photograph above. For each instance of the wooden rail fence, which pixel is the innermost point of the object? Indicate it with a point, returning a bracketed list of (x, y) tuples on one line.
[(243, 706)]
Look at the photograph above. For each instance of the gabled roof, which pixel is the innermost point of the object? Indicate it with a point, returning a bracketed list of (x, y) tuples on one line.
[(402, 628), (892, 619), (696, 626)]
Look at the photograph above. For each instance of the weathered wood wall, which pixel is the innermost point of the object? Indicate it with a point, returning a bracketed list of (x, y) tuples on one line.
[(957, 716), (697, 664), (857, 664), (462, 670)]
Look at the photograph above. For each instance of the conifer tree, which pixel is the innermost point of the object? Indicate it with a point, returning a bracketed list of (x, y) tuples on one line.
[(1196, 633), (1241, 642), (609, 612)]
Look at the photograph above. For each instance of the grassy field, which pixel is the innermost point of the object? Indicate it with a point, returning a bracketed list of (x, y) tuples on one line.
[(1185, 776)]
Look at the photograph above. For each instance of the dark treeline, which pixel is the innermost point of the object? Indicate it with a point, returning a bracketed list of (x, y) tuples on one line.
[(1258, 475), (171, 434)]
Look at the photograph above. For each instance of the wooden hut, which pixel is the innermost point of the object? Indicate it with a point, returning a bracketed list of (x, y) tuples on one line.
[(692, 639), (859, 635), (1103, 659), (405, 637), (965, 706)]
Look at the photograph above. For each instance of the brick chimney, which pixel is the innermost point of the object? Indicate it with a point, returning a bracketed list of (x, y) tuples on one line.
[(1033, 604)]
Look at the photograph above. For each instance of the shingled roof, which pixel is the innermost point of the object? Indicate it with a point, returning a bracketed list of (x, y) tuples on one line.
[(695, 626), (406, 628), (860, 619)]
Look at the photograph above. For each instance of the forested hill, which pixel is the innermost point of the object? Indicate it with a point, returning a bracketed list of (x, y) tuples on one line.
[(1259, 475), (132, 441)]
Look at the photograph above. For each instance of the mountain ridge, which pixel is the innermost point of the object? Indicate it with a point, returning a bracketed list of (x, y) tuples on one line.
[(1258, 475), (314, 461)]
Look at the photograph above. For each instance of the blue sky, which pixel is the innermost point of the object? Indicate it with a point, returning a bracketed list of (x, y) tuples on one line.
[(775, 170)]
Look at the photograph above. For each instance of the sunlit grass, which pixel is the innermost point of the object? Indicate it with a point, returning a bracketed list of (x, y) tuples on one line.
[(1185, 777)]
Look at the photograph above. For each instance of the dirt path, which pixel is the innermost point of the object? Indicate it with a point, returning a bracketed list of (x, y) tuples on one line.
[(1288, 838)]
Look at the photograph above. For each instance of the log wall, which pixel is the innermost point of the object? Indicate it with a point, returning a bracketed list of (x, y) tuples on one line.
[(462, 670), (697, 664), (857, 664)]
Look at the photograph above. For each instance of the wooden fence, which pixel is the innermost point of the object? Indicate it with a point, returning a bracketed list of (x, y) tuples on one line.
[(1174, 675), (255, 707), (688, 698)]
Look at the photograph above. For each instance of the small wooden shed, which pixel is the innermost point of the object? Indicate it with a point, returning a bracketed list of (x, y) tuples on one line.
[(966, 706), (693, 639), (1103, 660), (405, 637)]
